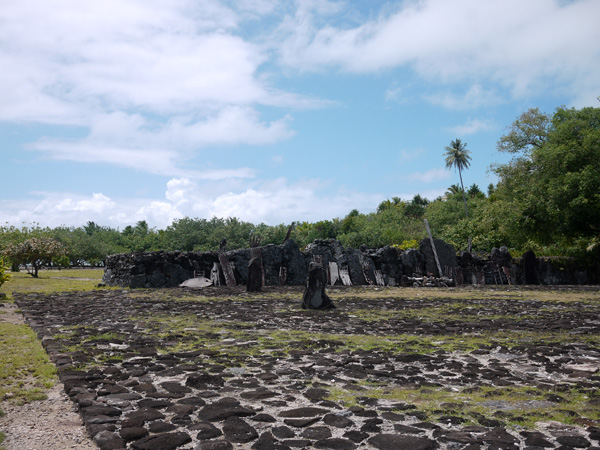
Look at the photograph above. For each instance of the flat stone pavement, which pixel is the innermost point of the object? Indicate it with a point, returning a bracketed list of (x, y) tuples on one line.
[(219, 369)]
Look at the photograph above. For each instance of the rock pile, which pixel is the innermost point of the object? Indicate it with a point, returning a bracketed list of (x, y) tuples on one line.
[(383, 266)]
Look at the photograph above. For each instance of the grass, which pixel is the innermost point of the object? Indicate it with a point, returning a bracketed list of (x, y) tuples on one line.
[(25, 371), (51, 281), (518, 406), (502, 292)]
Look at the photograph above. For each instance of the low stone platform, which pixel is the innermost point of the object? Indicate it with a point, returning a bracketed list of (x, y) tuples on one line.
[(387, 369)]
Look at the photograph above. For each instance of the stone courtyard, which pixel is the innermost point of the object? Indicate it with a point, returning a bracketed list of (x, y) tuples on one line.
[(388, 368)]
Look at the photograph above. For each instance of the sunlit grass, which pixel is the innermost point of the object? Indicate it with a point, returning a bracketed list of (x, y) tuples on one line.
[(52, 281), (516, 293), (522, 406), (25, 370)]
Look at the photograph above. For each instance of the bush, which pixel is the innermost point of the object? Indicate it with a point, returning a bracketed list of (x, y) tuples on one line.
[(4, 277)]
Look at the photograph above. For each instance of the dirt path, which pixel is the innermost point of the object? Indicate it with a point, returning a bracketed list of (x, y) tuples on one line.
[(51, 424)]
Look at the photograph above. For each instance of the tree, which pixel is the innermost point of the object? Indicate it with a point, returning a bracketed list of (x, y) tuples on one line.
[(475, 192), (528, 132), (554, 179), (453, 190), (416, 208), (457, 156), (35, 253)]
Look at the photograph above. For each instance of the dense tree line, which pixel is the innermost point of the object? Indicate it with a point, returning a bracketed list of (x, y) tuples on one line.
[(547, 199)]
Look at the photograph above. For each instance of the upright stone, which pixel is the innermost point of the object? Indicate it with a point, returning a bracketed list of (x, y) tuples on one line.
[(445, 252), (254, 282), (529, 262), (314, 296)]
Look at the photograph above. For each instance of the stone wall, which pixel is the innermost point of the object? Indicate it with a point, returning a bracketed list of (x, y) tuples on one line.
[(168, 269)]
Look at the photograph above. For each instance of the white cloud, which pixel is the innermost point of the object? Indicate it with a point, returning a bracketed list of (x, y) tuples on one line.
[(130, 140), (523, 46), (158, 212), (154, 82), (396, 93), (472, 126), (99, 203), (272, 201), (430, 175), (408, 155), (475, 97)]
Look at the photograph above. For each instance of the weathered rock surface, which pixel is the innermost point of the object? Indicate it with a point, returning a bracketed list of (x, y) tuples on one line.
[(150, 373)]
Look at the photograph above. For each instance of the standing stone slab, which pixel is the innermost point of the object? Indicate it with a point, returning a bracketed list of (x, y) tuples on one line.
[(379, 278), (334, 273), (529, 262), (445, 252), (345, 276), (255, 274), (255, 253), (366, 269), (314, 296), (215, 275), (227, 270)]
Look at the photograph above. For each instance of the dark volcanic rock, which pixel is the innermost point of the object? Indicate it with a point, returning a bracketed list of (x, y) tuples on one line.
[(107, 440), (204, 381), (316, 433), (335, 444), (222, 409), (446, 255), (237, 430), (307, 411), (529, 263), (215, 445), (268, 442), (206, 430), (255, 271), (145, 414), (573, 441), (395, 442), (166, 441), (133, 433), (314, 296), (337, 421)]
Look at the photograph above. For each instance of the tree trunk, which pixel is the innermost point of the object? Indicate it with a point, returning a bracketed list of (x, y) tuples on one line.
[(463, 192)]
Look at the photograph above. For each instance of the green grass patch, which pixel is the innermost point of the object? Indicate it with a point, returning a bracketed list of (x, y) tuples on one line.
[(25, 370), (51, 281), (516, 406), (516, 293)]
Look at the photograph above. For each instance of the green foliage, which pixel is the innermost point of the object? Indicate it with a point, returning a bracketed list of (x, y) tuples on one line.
[(4, 277), (554, 181), (405, 245), (458, 156), (35, 253), (528, 132)]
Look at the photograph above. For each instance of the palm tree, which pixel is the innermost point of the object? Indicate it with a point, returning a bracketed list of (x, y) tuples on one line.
[(457, 156), (453, 190)]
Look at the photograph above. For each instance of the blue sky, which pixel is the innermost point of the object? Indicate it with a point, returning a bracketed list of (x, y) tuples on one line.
[(269, 111)]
